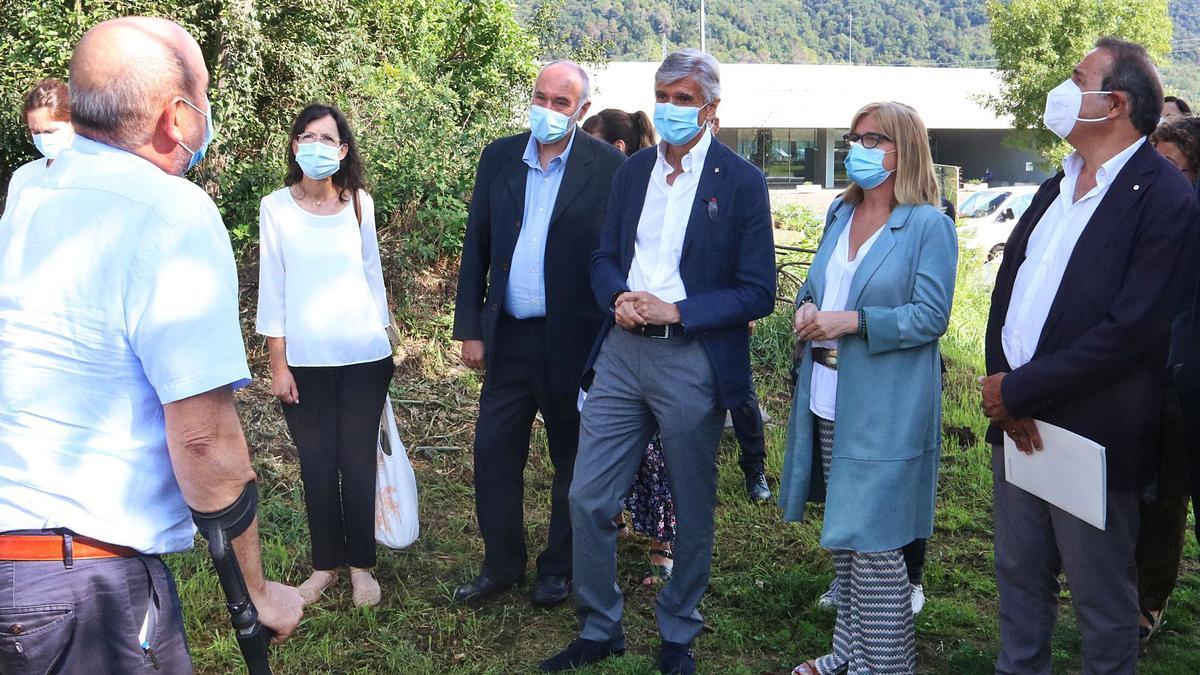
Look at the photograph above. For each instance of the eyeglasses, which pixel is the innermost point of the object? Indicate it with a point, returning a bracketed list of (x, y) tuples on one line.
[(309, 137), (869, 140)]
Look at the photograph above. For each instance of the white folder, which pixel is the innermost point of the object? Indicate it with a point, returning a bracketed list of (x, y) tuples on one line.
[(1069, 472)]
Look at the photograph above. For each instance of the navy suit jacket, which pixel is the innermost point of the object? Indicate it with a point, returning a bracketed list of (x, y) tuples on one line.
[(727, 265), (1100, 365), (493, 224)]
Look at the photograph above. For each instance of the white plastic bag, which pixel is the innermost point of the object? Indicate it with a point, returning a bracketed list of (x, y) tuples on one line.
[(396, 522)]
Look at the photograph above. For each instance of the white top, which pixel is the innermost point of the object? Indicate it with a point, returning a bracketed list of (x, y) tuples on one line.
[(663, 224), (23, 174), (1049, 250), (320, 284), (118, 294), (839, 274)]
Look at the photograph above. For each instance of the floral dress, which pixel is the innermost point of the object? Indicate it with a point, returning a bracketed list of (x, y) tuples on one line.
[(649, 502)]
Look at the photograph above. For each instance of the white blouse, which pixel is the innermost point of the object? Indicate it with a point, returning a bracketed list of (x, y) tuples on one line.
[(320, 283), (839, 273)]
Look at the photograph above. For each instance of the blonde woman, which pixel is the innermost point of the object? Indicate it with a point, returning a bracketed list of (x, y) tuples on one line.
[(876, 301)]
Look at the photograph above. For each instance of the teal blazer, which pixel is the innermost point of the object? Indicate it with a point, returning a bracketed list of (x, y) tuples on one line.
[(887, 443)]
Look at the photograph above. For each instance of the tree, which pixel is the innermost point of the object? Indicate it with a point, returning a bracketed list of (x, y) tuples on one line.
[(425, 84), (1038, 42)]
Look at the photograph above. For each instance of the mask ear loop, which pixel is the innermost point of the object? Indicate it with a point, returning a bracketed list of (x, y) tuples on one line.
[(1092, 119)]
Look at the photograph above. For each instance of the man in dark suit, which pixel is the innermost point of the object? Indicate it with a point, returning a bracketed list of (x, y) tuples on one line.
[(525, 314), (1077, 337), (686, 261)]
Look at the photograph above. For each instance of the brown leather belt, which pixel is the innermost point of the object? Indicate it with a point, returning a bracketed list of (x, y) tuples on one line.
[(825, 357), (54, 547), (661, 332)]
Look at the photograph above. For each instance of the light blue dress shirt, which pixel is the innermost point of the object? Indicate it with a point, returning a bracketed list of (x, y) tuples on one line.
[(525, 297)]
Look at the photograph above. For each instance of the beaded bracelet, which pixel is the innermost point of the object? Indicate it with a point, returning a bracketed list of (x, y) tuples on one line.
[(862, 324)]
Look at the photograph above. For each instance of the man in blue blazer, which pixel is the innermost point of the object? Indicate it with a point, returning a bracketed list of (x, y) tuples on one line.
[(526, 316), (686, 261), (1077, 337)]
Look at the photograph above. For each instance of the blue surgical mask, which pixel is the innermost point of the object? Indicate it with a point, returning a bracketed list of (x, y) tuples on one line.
[(209, 132), (317, 160), (547, 125), (676, 124), (53, 142), (864, 166)]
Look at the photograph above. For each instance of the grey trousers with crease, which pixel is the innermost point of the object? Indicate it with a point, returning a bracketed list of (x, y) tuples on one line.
[(643, 384), (1034, 542)]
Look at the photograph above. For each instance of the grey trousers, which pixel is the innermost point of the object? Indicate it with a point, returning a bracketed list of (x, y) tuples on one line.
[(87, 618), (642, 384), (1034, 541)]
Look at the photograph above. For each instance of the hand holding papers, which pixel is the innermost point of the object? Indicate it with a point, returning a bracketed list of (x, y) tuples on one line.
[(1069, 473)]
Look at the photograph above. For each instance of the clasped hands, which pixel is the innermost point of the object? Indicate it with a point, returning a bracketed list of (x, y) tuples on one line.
[(639, 308), (813, 324), (1023, 431)]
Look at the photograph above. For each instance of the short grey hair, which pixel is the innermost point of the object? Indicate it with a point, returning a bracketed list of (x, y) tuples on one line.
[(122, 111), (583, 75), (695, 64)]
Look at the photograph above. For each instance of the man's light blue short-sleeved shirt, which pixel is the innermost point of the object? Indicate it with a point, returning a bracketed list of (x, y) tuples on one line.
[(118, 294)]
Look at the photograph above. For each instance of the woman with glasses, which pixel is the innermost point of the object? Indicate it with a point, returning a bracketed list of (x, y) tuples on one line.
[(47, 114), (866, 425), (322, 307)]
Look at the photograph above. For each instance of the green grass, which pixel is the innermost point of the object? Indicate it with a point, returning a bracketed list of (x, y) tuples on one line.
[(766, 574)]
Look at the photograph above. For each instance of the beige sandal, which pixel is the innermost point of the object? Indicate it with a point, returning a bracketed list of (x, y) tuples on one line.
[(366, 588), (315, 585)]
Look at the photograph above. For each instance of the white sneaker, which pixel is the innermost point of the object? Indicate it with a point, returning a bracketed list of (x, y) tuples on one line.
[(830, 598), (918, 599)]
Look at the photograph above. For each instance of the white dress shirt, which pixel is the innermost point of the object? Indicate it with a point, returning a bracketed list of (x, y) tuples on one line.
[(320, 283), (1049, 250), (663, 224), (118, 294), (839, 275)]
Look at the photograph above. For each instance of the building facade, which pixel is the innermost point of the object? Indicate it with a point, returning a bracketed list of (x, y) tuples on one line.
[(789, 119)]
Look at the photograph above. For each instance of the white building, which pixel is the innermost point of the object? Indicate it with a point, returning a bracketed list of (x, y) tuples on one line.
[(789, 119)]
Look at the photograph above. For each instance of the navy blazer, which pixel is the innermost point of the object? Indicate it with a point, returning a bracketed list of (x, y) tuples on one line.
[(727, 265), (493, 224), (1099, 368)]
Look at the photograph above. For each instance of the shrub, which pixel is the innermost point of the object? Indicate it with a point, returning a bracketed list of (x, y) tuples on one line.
[(425, 83)]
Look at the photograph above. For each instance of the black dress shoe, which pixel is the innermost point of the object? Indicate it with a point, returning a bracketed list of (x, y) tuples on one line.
[(481, 588), (580, 653), (676, 659), (550, 590), (756, 487)]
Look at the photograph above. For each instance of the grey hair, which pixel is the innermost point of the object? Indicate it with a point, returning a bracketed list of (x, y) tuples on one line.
[(692, 63), (583, 75), (122, 111)]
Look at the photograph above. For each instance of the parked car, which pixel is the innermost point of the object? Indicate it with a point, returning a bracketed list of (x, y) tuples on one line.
[(987, 217)]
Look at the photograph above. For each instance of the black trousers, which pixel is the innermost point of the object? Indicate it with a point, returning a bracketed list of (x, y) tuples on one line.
[(515, 389), (1162, 520), (748, 427), (914, 560), (336, 430)]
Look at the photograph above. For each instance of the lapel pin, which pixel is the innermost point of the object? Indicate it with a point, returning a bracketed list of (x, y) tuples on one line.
[(1137, 187), (717, 170)]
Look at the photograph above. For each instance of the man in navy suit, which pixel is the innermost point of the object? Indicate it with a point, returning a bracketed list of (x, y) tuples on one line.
[(1077, 337), (686, 261), (525, 313)]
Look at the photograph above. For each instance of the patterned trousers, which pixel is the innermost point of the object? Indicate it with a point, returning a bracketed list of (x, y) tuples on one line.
[(874, 633)]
